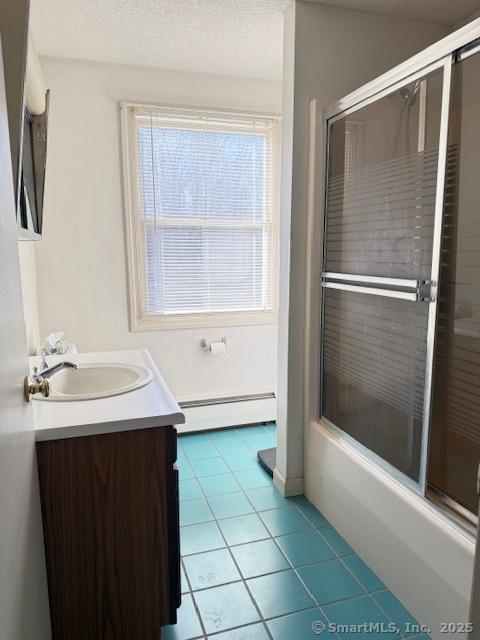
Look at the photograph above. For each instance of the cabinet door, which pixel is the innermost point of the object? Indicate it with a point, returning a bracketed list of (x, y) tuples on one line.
[(105, 505)]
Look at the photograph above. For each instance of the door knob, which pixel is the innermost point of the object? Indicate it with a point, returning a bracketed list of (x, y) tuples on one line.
[(32, 386)]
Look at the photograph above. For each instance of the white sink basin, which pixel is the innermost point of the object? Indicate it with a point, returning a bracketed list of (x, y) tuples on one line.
[(96, 380)]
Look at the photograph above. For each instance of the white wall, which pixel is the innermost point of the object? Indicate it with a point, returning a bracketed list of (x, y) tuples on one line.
[(28, 274), (81, 268)]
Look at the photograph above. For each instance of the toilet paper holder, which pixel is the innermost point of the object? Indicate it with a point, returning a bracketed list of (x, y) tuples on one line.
[(206, 345)]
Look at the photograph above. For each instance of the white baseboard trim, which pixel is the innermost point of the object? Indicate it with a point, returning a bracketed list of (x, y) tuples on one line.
[(231, 414), (288, 487)]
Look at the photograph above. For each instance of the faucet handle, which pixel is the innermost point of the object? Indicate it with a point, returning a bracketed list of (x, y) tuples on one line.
[(36, 375), (44, 363)]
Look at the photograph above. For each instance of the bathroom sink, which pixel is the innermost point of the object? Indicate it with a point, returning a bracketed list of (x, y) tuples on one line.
[(96, 380)]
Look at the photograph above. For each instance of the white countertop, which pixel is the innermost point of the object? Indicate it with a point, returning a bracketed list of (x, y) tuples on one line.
[(150, 406)]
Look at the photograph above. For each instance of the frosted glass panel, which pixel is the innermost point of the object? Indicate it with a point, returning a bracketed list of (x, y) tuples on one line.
[(381, 184), (380, 215), (374, 373), (455, 426)]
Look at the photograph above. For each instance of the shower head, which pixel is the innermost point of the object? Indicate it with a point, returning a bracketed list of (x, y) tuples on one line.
[(409, 93)]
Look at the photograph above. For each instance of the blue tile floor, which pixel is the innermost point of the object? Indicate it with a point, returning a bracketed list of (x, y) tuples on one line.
[(257, 566)]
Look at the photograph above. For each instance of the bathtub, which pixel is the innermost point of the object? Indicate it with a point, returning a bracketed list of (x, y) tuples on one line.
[(425, 559)]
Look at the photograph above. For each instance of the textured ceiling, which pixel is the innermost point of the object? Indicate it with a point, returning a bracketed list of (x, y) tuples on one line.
[(233, 37)]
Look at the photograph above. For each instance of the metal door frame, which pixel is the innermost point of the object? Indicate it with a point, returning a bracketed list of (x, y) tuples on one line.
[(406, 289)]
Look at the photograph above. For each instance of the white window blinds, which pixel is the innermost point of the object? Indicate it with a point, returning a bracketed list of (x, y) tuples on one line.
[(203, 212)]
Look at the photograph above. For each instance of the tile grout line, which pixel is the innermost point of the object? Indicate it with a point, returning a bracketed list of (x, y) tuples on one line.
[(195, 604), (257, 512), (262, 619), (295, 569), (242, 579), (191, 592), (369, 593), (271, 536)]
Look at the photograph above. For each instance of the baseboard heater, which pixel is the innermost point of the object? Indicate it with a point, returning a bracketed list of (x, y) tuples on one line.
[(189, 404), (228, 411)]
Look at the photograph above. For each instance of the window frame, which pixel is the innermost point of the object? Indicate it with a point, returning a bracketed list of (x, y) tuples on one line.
[(140, 319)]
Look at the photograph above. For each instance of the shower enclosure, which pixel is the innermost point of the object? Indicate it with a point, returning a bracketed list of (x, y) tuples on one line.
[(400, 347)]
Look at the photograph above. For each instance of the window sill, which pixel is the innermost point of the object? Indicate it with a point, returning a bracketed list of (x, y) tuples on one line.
[(201, 320)]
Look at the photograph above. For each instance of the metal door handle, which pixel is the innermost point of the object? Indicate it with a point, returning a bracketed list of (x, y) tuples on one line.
[(413, 290)]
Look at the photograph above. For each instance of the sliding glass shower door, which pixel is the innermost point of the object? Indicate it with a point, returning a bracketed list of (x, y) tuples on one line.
[(382, 229), (455, 425)]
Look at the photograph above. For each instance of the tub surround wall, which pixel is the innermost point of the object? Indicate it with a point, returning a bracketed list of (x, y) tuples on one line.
[(81, 261)]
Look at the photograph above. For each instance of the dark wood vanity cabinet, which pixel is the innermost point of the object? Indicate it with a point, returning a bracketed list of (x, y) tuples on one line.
[(110, 519)]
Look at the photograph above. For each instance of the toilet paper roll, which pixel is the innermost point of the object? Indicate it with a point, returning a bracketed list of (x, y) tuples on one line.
[(217, 348)]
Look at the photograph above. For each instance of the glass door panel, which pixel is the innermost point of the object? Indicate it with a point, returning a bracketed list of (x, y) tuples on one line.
[(383, 163), (382, 176), (455, 425), (374, 373)]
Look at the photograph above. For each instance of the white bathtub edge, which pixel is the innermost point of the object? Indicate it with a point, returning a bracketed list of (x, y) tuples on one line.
[(425, 560)]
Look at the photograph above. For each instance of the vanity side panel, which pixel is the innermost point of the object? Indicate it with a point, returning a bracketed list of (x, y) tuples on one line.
[(174, 528), (105, 507)]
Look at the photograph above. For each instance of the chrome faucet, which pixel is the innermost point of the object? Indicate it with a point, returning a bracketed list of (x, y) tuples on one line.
[(49, 371)]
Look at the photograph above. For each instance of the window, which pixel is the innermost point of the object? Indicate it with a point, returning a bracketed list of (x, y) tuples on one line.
[(201, 217)]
